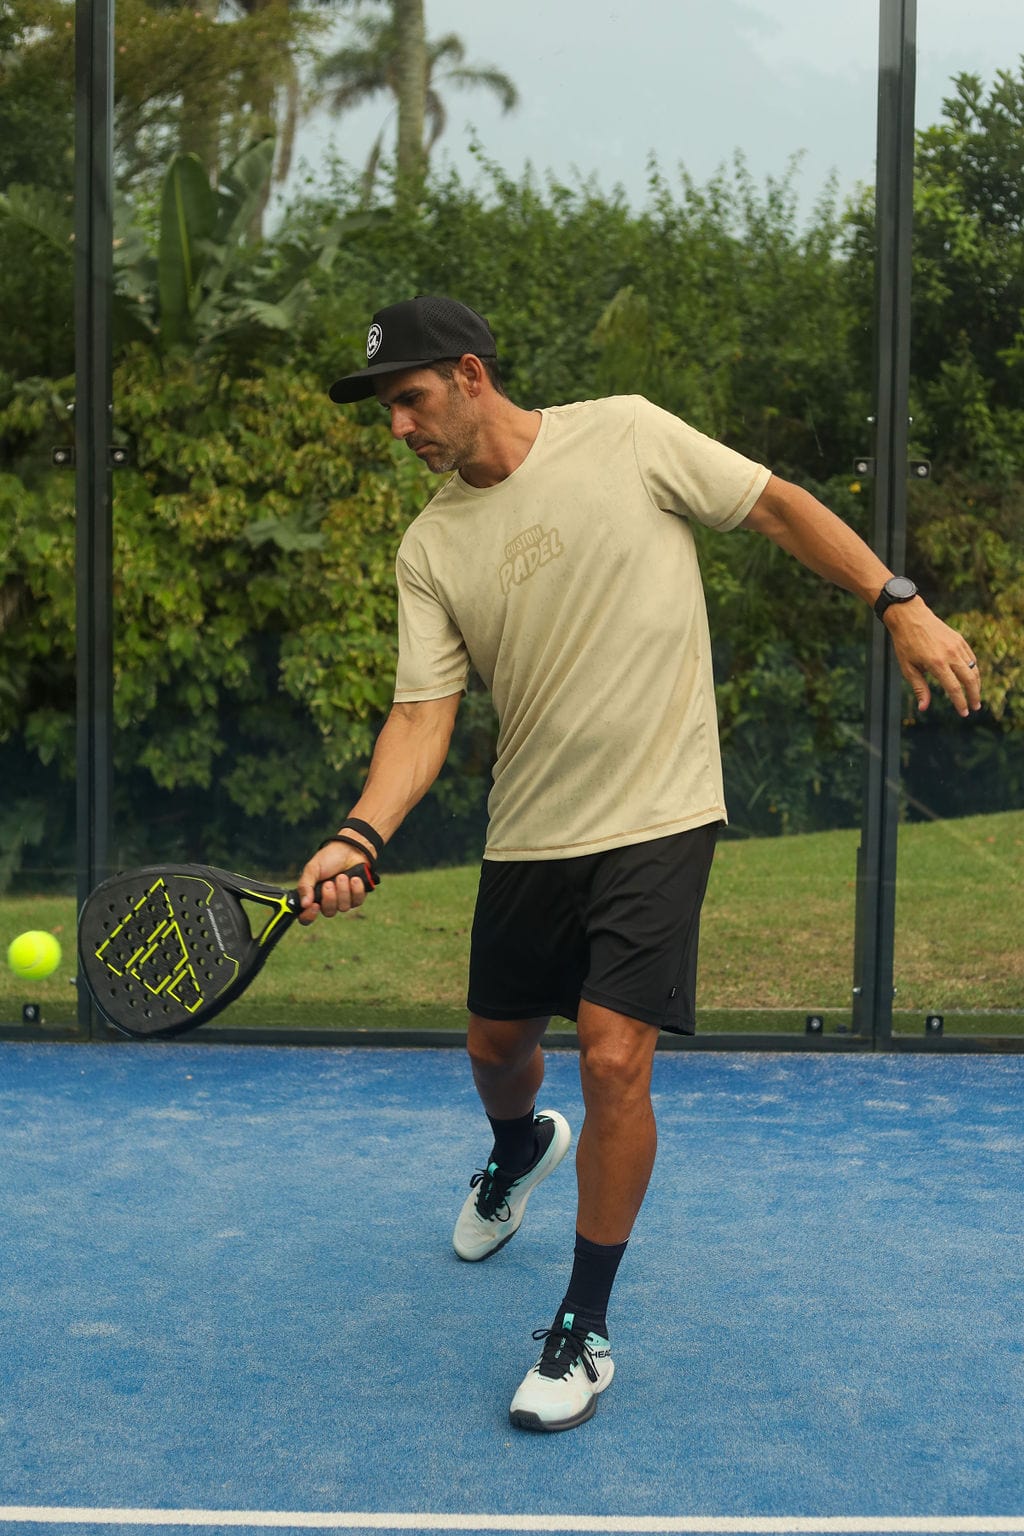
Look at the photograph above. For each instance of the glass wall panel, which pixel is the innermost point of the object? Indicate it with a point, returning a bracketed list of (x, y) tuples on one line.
[(37, 588), (655, 208), (959, 932), (679, 208), (682, 211)]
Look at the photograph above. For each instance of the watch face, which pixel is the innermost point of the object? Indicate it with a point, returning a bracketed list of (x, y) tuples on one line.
[(900, 589)]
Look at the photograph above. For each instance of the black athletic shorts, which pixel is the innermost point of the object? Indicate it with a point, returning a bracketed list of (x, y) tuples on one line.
[(618, 929)]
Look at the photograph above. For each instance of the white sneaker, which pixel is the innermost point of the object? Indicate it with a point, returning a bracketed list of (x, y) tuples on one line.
[(562, 1389), (495, 1205)]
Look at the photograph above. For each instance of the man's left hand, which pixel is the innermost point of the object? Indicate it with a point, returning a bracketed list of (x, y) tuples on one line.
[(925, 644)]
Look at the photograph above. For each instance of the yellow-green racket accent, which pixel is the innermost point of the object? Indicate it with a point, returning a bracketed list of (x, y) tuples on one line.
[(150, 945)]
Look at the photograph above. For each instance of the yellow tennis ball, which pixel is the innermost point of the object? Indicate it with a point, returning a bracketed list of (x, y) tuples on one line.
[(33, 955)]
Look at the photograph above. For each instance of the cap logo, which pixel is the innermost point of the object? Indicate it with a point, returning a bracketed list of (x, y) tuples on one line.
[(373, 341)]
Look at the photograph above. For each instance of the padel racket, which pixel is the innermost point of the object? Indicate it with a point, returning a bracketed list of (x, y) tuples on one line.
[(164, 949)]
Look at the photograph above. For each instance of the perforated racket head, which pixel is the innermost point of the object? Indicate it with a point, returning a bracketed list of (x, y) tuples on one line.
[(164, 948)]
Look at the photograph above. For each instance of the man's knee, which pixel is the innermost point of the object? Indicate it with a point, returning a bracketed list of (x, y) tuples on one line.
[(497, 1046), (616, 1052)]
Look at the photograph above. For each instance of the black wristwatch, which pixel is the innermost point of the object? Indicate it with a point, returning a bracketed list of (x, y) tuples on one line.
[(898, 589)]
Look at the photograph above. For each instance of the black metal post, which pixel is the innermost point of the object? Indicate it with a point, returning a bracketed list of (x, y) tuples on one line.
[(94, 83), (894, 211)]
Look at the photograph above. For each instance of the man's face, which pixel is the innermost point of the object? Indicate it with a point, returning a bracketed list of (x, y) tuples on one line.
[(432, 415)]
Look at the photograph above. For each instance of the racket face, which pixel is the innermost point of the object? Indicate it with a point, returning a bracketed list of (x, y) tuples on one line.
[(162, 949)]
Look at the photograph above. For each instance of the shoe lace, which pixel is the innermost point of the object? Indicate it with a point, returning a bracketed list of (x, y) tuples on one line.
[(492, 1188), (494, 1183), (562, 1349)]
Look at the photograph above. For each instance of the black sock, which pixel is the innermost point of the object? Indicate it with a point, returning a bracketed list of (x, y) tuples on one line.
[(593, 1275), (515, 1143)]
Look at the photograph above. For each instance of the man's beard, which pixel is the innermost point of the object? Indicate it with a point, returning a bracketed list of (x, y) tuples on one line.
[(446, 455), (442, 459)]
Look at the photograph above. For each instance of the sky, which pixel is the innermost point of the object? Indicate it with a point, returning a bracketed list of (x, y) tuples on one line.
[(604, 83)]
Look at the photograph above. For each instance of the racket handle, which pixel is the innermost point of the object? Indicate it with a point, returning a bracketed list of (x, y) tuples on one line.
[(361, 872)]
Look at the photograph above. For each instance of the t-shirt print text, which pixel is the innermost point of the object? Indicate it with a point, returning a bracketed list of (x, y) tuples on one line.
[(526, 553)]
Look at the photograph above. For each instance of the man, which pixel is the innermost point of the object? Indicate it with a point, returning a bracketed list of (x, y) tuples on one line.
[(558, 560)]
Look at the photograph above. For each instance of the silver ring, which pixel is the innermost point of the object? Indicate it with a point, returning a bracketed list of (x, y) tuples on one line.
[(971, 665)]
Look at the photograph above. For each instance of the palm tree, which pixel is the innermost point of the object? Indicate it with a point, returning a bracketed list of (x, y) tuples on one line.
[(411, 73), (391, 55)]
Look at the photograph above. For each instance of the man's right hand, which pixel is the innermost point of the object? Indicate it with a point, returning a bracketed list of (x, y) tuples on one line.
[(340, 893)]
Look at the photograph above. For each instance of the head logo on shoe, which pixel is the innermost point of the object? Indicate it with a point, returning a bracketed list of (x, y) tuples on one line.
[(562, 1389)]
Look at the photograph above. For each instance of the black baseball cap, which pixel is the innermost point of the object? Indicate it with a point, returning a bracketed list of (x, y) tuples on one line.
[(410, 335)]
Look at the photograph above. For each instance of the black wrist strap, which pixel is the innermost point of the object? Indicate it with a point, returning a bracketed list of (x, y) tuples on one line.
[(364, 829)]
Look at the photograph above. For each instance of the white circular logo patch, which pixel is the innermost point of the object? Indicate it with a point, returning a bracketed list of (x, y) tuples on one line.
[(373, 341)]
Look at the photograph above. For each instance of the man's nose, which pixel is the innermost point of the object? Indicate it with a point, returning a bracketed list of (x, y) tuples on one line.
[(401, 423)]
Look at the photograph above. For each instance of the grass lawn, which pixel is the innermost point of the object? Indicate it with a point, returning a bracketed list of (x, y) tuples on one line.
[(777, 940)]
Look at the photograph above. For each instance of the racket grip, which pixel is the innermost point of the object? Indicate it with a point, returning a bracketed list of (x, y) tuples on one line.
[(362, 872)]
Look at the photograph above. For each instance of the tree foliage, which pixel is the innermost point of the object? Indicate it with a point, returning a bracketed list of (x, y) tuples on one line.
[(204, 79), (254, 546)]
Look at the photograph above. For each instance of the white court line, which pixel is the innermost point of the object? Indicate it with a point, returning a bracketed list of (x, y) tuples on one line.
[(627, 1525)]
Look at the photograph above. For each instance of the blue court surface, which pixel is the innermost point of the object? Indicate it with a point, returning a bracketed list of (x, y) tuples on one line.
[(229, 1300)]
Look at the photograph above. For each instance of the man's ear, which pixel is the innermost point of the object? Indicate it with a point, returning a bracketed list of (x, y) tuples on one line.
[(473, 372)]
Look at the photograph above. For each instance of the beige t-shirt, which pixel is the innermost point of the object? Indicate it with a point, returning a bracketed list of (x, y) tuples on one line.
[(573, 589)]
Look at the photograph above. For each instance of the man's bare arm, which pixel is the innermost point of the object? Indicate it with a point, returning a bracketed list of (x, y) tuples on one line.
[(409, 754), (801, 525)]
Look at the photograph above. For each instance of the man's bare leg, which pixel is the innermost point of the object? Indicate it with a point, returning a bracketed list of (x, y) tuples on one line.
[(507, 1062), (618, 1141), (614, 1158), (508, 1069)]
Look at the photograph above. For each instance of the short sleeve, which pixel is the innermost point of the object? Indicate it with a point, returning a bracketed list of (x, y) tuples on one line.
[(432, 658), (693, 475)]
